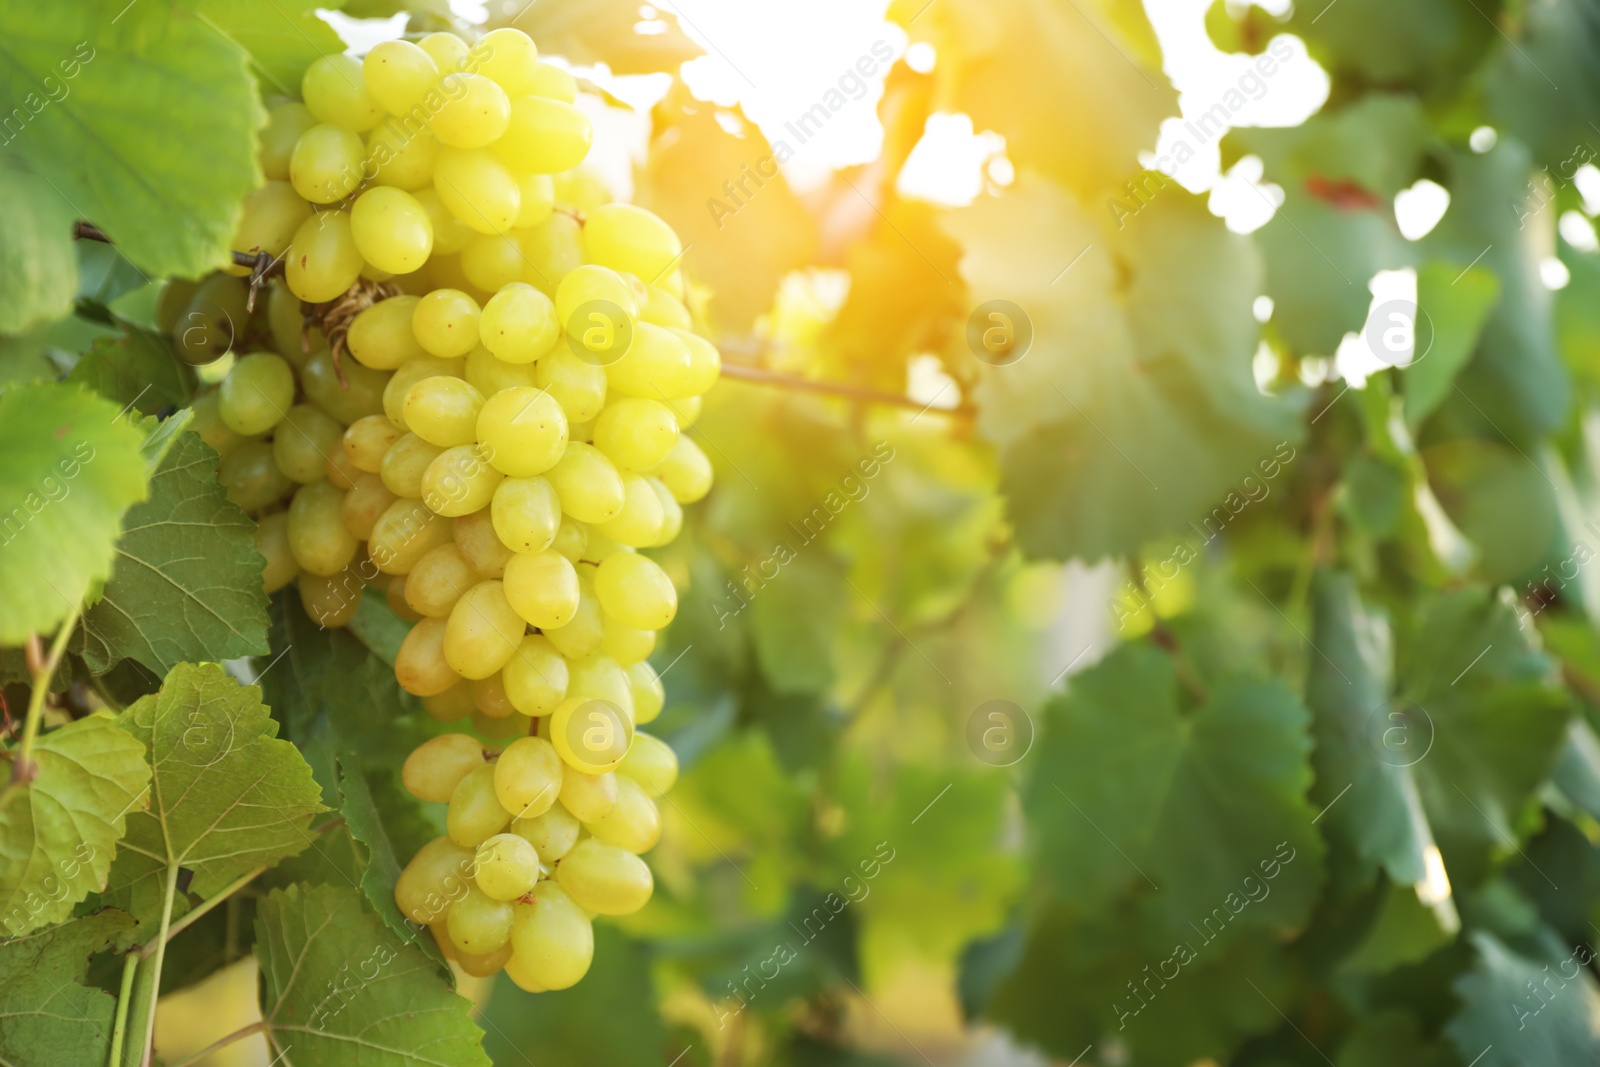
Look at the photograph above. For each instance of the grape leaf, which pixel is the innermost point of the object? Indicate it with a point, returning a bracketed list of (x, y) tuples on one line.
[(38, 269), (59, 832), (72, 467), (48, 1014), (1455, 303), (367, 826), (1544, 82), (166, 192), (1137, 396), (281, 38), (135, 369), (226, 795), (605, 31), (104, 273), (338, 987), (1506, 1020), (187, 584), (1426, 44)]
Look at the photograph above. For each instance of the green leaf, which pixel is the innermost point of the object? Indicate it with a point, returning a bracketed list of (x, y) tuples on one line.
[(1544, 82), (166, 192), (1405, 930), (48, 1015), (227, 795), (135, 369), (282, 38), (796, 619), (38, 268), (1425, 44), (187, 584), (1457, 303), (1136, 392), (58, 833), (1135, 786), (605, 31), (72, 467), (104, 273), (366, 825), (1506, 1019), (338, 987)]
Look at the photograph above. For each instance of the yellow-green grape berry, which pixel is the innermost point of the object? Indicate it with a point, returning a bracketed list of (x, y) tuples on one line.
[(552, 941), (438, 581), (544, 136), (436, 876), (477, 189), (365, 441), (600, 546), (367, 499), (543, 588), (474, 815), (634, 590), (579, 386), (256, 394), (381, 337), (446, 323), (507, 866), (588, 484), (272, 541), (390, 229), (490, 375), (639, 523), (519, 324), (685, 471), (553, 249), (511, 60), (269, 217), (649, 695), (450, 234), (398, 75), (592, 736), (448, 51), (443, 411), (452, 705), (551, 81), (525, 514), (323, 260), (436, 767), (480, 544), (664, 309), (523, 431), (409, 374), (536, 677), (251, 476), (459, 482), (275, 144), (527, 777), (628, 645), (599, 677), (626, 237), (474, 111), (705, 363), (210, 320), (493, 260), (578, 295), (405, 464), (404, 157), (317, 537), (489, 696), (582, 636), (325, 166), (335, 91), (304, 442), (357, 394), (650, 762), (403, 534), (636, 433), (572, 537), (478, 923), (420, 666), (587, 796), (330, 600), (208, 424), (538, 199), (657, 365), (483, 632), (633, 824), (671, 512), (552, 834), (604, 879)]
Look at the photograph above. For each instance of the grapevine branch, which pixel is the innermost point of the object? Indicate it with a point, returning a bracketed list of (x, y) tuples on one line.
[(23, 769)]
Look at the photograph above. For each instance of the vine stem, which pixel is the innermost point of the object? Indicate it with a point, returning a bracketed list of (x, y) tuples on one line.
[(23, 769), (222, 1042), (196, 914), (169, 896), (130, 964)]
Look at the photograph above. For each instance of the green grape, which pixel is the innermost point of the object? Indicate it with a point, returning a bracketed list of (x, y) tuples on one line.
[(170, 304), (459, 482), (489, 695), (628, 645), (474, 814), (626, 237), (490, 375), (275, 144), (359, 395), (317, 537), (633, 824), (671, 512), (473, 113), (450, 234), (499, 729), (493, 260), (331, 600), (478, 923), (635, 590), (212, 320), (304, 441), (519, 323), (650, 762), (326, 164), (587, 796), (705, 363), (398, 75), (367, 499), (250, 476), (448, 51), (649, 695), (538, 199), (380, 337), (405, 464), (403, 157), (543, 588), (477, 189), (511, 61), (336, 466), (269, 216), (390, 229), (686, 471), (446, 323), (507, 865), (484, 964), (657, 365), (591, 284), (335, 91), (579, 386), (552, 941), (582, 636), (272, 541), (581, 189), (403, 534), (603, 878), (394, 594), (436, 876), (591, 735), (640, 521), (443, 411), (527, 777), (536, 677), (599, 677), (525, 514), (572, 537), (409, 374), (552, 834), (544, 136), (523, 430), (452, 705), (436, 767), (207, 422), (476, 537), (553, 249), (286, 322), (551, 81), (256, 394), (323, 260), (438, 580), (483, 632), (601, 547), (365, 441), (664, 309), (587, 483)]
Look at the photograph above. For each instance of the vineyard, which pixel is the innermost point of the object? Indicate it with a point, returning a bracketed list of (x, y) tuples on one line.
[(948, 532)]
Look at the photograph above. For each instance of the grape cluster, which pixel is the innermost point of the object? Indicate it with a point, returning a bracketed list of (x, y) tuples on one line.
[(470, 388)]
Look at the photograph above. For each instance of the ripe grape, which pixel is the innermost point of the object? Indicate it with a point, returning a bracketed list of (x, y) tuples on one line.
[(552, 834), (603, 878), (512, 61), (409, 374), (256, 394), (591, 735), (525, 513), (304, 443), (448, 51), (543, 588), (628, 238), (544, 136), (436, 767), (685, 471), (435, 878), (507, 865), (636, 591), (523, 430), (446, 323), (405, 463), (639, 523), (633, 824), (473, 113), (587, 796), (476, 537), (527, 777), (443, 411), (535, 677), (636, 433), (268, 220), (477, 189), (326, 164), (365, 441), (359, 394), (587, 483), (390, 230), (323, 260), (519, 324), (403, 157), (483, 631), (459, 482), (330, 600), (399, 74), (474, 814), (578, 385), (479, 923), (335, 91), (649, 695), (366, 500), (275, 143), (552, 941), (272, 541), (650, 762), (490, 375), (403, 534), (438, 580)]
